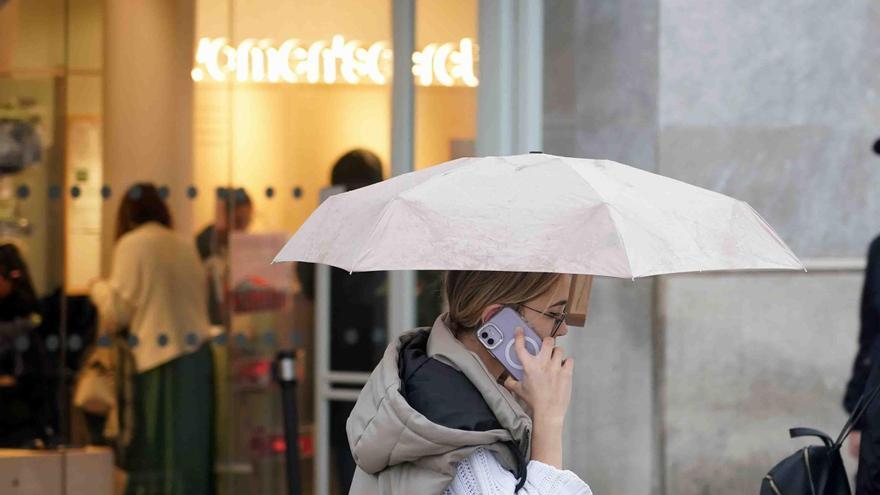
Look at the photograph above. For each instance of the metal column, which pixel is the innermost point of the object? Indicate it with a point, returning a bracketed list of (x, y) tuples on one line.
[(402, 283), (511, 92)]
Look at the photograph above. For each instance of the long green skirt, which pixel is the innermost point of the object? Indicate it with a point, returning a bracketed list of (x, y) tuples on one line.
[(172, 452)]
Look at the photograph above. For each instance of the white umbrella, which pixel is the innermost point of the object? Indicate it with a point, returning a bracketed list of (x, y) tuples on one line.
[(537, 213)]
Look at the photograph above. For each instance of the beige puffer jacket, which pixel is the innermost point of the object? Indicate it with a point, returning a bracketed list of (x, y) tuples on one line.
[(398, 450)]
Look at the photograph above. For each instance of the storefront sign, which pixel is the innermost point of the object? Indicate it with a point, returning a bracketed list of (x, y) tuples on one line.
[(334, 62)]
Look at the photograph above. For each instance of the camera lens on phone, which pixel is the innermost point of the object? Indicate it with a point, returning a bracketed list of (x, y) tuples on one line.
[(485, 334), (490, 341)]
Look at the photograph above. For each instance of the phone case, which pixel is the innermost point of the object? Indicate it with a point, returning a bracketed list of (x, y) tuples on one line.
[(497, 336)]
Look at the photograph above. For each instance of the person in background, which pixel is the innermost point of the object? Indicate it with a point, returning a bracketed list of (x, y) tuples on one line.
[(234, 207), (25, 397), (156, 291), (864, 441), (357, 310)]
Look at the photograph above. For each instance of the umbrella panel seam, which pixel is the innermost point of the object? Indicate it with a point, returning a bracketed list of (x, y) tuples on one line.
[(382, 216), (611, 216)]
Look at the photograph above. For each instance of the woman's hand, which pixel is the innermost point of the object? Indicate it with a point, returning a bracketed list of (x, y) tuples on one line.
[(546, 388), (546, 383)]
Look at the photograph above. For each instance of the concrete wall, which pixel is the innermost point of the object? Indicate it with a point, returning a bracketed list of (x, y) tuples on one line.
[(778, 106), (688, 385), (609, 438), (749, 356)]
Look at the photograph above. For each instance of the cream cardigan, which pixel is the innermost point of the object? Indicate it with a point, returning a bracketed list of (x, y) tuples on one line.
[(157, 288)]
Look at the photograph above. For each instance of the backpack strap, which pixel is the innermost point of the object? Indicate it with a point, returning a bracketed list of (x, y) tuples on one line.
[(858, 411), (809, 432)]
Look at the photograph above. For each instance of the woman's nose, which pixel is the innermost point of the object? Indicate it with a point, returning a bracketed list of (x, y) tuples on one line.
[(563, 329)]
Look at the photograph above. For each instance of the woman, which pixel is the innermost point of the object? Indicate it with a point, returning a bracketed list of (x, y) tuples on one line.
[(25, 398), (156, 290), (440, 414)]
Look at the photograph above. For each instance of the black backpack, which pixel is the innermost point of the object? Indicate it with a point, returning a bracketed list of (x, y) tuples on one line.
[(816, 469)]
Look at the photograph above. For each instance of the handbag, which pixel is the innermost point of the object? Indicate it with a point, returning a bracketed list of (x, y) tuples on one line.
[(95, 390), (816, 469)]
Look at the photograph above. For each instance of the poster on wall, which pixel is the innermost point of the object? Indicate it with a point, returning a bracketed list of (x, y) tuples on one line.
[(22, 149), (83, 222)]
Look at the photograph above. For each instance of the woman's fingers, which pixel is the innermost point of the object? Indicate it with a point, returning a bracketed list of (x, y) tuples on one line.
[(519, 346), (546, 349), (558, 356), (548, 352), (525, 357), (547, 378)]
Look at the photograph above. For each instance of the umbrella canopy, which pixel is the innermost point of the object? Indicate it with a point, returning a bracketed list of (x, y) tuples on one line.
[(537, 213)]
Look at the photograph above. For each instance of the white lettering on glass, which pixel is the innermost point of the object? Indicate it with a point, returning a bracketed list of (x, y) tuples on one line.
[(335, 62)]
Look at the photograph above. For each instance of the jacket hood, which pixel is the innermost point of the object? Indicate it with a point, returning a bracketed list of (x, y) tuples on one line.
[(428, 397)]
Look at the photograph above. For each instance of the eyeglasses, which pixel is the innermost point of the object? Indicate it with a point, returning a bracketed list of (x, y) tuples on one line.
[(558, 317)]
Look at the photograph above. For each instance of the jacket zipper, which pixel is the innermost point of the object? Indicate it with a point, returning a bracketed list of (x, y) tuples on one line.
[(809, 471), (773, 485)]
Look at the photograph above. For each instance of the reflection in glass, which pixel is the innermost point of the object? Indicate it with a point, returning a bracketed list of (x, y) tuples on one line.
[(26, 406), (358, 311)]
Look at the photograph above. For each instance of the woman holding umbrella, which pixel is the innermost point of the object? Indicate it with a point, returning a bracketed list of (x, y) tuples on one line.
[(433, 417), (457, 423)]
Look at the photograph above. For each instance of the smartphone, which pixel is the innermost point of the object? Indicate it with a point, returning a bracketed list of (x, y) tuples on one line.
[(497, 336)]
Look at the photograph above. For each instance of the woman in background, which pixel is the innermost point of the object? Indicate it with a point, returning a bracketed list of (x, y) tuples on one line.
[(156, 290)]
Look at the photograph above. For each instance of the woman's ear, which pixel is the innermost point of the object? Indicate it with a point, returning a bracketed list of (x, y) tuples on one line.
[(489, 312)]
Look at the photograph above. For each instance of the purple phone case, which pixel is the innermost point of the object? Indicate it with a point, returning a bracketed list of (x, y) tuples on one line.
[(503, 326)]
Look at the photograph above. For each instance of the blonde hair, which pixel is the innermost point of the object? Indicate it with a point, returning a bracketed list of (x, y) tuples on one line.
[(469, 292)]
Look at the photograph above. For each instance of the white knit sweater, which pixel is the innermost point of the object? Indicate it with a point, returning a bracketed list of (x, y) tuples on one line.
[(482, 474)]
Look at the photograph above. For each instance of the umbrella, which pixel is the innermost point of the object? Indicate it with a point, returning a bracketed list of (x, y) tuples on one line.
[(538, 213)]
